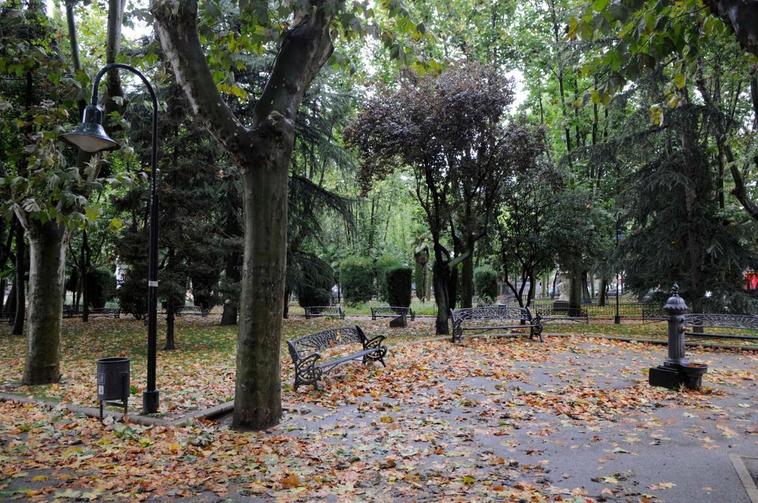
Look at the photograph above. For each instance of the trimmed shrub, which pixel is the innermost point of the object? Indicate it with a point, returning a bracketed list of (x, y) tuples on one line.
[(357, 275), (485, 283), (313, 281), (101, 285), (132, 296), (310, 296), (382, 265), (398, 282)]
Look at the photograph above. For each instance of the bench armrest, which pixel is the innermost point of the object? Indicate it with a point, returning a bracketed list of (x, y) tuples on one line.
[(374, 342)]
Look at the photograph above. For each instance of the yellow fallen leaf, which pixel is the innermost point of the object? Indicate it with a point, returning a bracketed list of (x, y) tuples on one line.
[(291, 481)]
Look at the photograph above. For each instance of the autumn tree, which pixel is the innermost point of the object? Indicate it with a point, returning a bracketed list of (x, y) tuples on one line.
[(527, 214), (262, 149), (48, 193), (448, 129)]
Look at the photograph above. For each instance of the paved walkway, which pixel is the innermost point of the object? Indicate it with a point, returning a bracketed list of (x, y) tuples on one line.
[(490, 420), (479, 434)]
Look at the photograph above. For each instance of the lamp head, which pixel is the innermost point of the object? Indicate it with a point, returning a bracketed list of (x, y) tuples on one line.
[(90, 136)]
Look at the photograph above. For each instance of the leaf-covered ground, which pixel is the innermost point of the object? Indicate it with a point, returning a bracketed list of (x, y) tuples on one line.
[(510, 420), (199, 374)]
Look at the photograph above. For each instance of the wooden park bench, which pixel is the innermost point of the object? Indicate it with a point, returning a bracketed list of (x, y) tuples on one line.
[(492, 320), (392, 312), (696, 324), (324, 311), (306, 352)]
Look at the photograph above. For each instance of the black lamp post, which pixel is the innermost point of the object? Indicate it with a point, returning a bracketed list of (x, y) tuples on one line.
[(91, 137)]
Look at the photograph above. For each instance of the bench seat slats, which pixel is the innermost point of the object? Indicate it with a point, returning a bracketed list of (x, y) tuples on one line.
[(306, 352), (727, 321), (496, 318)]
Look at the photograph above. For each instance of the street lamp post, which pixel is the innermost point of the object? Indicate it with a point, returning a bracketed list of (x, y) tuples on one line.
[(91, 137)]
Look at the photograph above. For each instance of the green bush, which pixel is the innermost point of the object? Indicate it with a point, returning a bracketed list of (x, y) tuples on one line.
[(398, 282), (101, 286), (132, 294), (310, 296), (357, 275), (485, 283), (313, 279), (382, 265)]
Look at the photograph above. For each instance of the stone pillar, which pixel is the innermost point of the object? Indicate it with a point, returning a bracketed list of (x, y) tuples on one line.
[(675, 307)]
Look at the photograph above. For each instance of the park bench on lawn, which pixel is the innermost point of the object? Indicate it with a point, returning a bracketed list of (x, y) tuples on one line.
[(70, 312), (324, 311), (492, 320), (114, 312), (191, 311), (307, 351), (551, 314), (392, 312), (695, 323)]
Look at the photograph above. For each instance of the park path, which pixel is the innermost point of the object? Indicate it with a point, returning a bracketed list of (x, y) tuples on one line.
[(485, 432)]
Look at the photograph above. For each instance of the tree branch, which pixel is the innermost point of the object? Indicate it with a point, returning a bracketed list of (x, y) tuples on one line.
[(177, 29), (742, 17)]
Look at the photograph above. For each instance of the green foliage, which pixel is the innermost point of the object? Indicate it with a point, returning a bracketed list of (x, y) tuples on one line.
[(382, 266), (132, 296), (357, 276), (398, 280), (101, 287), (312, 280), (485, 284), (585, 234)]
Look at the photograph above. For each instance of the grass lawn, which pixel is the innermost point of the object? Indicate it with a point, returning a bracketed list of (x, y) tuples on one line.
[(199, 374)]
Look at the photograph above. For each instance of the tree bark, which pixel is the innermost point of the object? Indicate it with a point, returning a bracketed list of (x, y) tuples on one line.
[(742, 17), (83, 275), (20, 282), (46, 281), (441, 283), (603, 292), (170, 319), (229, 315), (575, 293), (467, 279), (263, 155), (10, 306)]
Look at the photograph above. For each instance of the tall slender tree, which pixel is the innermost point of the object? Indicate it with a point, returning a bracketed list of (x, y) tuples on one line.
[(262, 151)]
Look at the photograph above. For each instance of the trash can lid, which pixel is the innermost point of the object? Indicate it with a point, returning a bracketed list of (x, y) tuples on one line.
[(113, 359)]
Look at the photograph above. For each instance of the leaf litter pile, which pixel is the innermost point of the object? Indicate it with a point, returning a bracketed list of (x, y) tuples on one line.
[(572, 419)]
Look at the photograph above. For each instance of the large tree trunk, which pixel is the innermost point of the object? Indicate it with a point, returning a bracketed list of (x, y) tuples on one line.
[(467, 282), (575, 293), (170, 322), (603, 292), (10, 305), (441, 281), (263, 272), (46, 280), (229, 315), (20, 282), (85, 256), (263, 155), (467, 274)]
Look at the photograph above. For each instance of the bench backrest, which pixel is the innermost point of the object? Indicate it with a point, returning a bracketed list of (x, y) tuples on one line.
[(490, 313), (315, 343), (721, 320), (319, 311), (396, 310)]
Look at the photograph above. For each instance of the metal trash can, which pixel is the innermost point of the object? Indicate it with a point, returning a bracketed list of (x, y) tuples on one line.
[(113, 382)]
